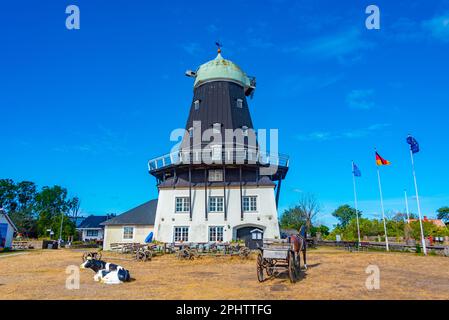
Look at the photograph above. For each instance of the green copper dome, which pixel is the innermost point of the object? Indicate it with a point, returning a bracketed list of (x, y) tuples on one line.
[(220, 68)]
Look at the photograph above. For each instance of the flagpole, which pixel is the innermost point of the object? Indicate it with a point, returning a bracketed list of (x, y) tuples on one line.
[(355, 203), (406, 206), (383, 212), (419, 207)]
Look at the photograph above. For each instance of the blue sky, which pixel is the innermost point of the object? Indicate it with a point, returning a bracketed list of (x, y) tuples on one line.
[(87, 108)]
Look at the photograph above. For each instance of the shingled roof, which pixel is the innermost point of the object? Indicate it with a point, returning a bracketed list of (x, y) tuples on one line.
[(144, 214), (92, 222)]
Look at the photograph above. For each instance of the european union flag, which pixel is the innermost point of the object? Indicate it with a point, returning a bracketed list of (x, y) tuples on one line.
[(414, 145), (356, 171)]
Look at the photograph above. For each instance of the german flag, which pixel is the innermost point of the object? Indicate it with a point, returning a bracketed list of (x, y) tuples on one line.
[(381, 161)]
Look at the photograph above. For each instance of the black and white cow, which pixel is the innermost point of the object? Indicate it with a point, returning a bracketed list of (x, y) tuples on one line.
[(105, 272), (97, 265)]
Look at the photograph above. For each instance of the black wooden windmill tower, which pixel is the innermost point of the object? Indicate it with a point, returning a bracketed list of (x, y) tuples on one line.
[(221, 184)]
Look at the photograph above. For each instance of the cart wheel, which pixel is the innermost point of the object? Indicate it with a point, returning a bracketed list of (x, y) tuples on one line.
[(191, 254), (148, 254), (244, 252), (140, 256), (270, 269), (291, 267), (183, 254), (260, 267), (194, 253)]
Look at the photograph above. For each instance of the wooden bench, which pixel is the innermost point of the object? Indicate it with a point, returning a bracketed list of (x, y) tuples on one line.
[(21, 245)]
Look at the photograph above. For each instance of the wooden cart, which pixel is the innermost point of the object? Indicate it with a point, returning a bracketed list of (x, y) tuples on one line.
[(141, 252), (277, 256)]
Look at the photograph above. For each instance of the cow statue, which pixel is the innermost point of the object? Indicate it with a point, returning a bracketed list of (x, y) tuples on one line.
[(105, 272)]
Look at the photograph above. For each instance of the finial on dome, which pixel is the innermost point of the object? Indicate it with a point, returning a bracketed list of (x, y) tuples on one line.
[(218, 44)]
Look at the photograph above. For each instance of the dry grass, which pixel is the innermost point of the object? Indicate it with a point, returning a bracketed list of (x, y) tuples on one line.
[(333, 274)]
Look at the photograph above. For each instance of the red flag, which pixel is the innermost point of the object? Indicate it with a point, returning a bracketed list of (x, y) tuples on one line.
[(381, 161)]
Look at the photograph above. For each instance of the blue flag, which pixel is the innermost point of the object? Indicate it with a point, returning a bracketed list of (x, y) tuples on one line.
[(414, 145), (356, 171)]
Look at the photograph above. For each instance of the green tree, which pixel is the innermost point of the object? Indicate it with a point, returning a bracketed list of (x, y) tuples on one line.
[(8, 200), (324, 230), (293, 218), (51, 204), (443, 214), (430, 229), (18, 202), (345, 214), (23, 216)]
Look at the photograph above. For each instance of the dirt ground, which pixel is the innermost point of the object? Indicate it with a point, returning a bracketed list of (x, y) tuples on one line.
[(332, 274)]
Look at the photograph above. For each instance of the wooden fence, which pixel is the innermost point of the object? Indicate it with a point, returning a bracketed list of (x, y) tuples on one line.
[(393, 246)]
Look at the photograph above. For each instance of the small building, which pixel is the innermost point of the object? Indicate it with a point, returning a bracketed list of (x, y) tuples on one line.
[(91, 228), (132, 226), (7, 229)]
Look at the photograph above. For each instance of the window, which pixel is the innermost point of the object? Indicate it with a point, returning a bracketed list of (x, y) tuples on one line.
[(181, 234), (191, 132), (245, 131), (256, 234), (182, 204), (239, 103), (215, 175), (197, 104), (215, 234), (250, 203), (215, 204), (92, 233), (128, 233)]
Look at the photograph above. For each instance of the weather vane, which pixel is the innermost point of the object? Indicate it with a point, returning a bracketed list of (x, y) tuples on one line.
[(218, 44)]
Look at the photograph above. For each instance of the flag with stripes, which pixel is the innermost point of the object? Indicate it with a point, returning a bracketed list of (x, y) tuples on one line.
[(381, 161)]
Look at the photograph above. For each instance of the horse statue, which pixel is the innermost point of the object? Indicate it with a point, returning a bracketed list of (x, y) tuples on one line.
[(299, 242)]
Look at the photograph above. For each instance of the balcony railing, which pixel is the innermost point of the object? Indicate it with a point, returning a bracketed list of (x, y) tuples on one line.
[(219, 156)]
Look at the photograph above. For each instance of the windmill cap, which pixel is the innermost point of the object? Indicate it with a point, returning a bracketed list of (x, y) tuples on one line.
[(221, 69)]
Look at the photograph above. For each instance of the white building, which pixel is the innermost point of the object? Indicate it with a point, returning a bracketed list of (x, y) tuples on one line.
[(91, 228), (219, 191), (132, 226), (7, 229)]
